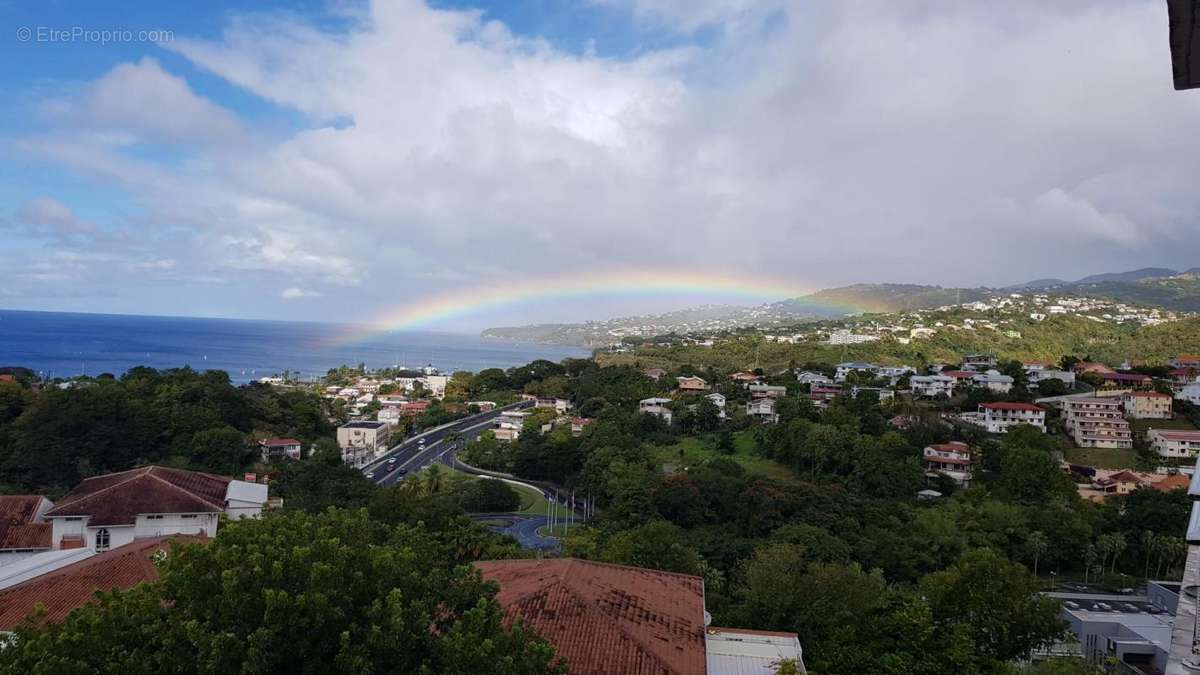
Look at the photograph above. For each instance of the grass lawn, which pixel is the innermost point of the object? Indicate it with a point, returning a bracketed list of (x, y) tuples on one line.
[(1103, 458), (1140, 426), (696, 451), (559, 529)]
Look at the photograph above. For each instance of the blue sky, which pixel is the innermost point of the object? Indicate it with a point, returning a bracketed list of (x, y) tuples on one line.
[(339, 160)]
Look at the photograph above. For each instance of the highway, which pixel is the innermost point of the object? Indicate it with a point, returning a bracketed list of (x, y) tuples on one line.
[(411, 455)]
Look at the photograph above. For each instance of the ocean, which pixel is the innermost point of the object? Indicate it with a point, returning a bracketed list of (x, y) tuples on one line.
[(58, 344)]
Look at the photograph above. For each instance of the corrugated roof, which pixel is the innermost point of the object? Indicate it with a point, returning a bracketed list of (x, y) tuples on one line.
[(607, 619)]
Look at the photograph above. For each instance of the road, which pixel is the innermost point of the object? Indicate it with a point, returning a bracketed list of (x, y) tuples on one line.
[(411, 455), (522, 528)]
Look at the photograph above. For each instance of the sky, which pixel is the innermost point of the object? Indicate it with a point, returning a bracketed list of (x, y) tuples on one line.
[(343, 161)]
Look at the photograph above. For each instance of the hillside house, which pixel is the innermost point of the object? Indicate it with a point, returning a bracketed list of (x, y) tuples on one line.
[(691, 385), (657, 406), (1097, 422), (953, 459), (993, 380), (997, 418), (1173, 443), (931, 386), (1147, 405), (279, 448), (116, 509), (762, 409)]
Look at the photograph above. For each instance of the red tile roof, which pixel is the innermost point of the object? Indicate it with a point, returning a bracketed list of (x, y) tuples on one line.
[(1178, 435), (1003, 405), (1172, 482), (73, 586), (118, 498), (1126, 377), (607, 619), (280, 441), (18, 529), (960, 374)]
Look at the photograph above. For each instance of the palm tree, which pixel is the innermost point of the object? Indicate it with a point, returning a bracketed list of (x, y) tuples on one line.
[(1037, 545), (435, 479), (1147, 543), (1089, 561)]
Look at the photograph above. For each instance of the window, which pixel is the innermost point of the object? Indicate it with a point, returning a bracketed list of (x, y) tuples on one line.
[(154, 517), (188, 515), (102, 540)]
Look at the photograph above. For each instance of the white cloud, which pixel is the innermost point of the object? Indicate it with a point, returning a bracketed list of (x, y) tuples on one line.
[(295, 293), (828, 141)]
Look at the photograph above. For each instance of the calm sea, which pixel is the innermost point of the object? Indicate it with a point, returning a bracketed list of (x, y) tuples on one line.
[(64, 345)]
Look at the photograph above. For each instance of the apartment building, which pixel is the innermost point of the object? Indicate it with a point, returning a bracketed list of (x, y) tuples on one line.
[(1147, 405), (1097, 422), (997, 418)]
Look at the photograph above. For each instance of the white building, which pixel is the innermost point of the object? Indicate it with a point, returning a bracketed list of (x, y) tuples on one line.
[(930, 386), (1190, 393), (1172, 443), (657, 406), (844, 369), (362, 440), (1097, 422), (810, 378), (763, 409), (1040, 375), (993, 380), (998, 417), (115, 509), (845, 337), (951, 459), (279, 448), (730, 651)]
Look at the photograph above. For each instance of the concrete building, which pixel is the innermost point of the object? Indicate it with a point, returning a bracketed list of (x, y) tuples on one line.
[(1189, 393), (1143, 405), (931, 386), (1174, 444), (280, 448), (1132, 629), (766, 391), (993, 380), (844, 369), (997, 418), (116, 509), (1097, 422), (953, 459), (657, 406), (691, 385), (762, 409), (362, 440)]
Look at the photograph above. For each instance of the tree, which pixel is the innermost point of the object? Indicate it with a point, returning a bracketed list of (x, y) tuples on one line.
[(998, 601), (293, 593), (1037, 544)]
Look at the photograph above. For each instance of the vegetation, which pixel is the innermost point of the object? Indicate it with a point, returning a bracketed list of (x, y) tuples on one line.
[(53, 437)]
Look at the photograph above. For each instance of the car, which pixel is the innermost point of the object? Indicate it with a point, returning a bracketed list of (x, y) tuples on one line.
[(421, 442), (392, 460), (370, 474), (403, 471)]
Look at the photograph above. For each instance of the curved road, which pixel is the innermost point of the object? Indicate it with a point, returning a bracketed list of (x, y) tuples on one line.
[(522, 528), (416, 453)]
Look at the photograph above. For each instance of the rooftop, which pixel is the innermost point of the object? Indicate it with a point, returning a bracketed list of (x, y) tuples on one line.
[(364, 424), (118, 498), (1006, 405), (18, 529), (607, 618)]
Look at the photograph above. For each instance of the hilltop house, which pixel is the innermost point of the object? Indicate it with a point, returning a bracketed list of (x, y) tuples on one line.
[(931, 386), (1171, 443), (115, 509), (998, 417), (656, 405), (691, 385), (1143, 405), (279, 448), (951, 459), (1097, 422)]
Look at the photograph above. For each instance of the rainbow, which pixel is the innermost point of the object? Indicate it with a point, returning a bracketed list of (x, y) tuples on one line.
[(486, 296)]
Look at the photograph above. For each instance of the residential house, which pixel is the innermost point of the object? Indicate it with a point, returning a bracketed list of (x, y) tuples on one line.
[(822, 395), (279, 448), (1119, 483), (894, 374), (766, 391), (1185, 361), (718, 400), (931, 386), (1142, 405), (654, 373), (762, 409), (1174, 481), (962, 378), (1097, 422), (656, 405), (1037, 366), (883, 394), (63, 588), (578, 424), (844, 369), (116, 509), (1189, 393), (23, 527), (604, 619), (362, 440), (1185, 375), (998, 417), (744, 378), (1174, 443), (993, 380), (812, 379), (953, 459), (393, 415), (691, 385), (1036, 377), (561, 405), (1126, 380), (1082, 367), (414, 408), (979, 361)]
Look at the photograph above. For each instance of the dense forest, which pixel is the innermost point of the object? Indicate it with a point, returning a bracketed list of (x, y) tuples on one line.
[(52, 437)]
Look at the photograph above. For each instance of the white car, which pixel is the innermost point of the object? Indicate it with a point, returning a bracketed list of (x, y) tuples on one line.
[(421, 442), (370, 474)]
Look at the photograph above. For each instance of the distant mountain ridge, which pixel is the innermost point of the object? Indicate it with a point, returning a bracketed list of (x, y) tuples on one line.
[(1153, 286)]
